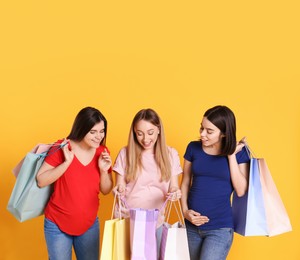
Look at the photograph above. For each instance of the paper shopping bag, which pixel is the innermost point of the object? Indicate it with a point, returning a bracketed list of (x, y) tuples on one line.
[(277, 217), (143, 234), (107, 247), (38, 149), (174, 242), (122, 240), (260, 212), (115, 242), (249, 211), (27, 200)]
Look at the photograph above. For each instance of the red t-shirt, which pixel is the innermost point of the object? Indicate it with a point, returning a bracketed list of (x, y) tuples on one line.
[(73, 206)]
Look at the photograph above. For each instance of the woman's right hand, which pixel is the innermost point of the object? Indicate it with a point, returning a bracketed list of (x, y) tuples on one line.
[(119, 189), (195, 217), (68, 153)]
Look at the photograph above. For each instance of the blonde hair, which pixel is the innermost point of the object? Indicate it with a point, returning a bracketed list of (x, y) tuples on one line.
[(134, 149)]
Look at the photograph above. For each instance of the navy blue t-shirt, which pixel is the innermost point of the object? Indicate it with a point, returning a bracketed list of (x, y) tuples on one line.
[(211, 185)]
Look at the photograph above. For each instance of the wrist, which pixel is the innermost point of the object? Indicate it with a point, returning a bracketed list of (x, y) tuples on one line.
[(104, 171)]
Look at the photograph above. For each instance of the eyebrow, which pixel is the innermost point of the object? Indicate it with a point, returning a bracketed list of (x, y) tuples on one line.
[(146, 131), (96, 130), (210, 129)]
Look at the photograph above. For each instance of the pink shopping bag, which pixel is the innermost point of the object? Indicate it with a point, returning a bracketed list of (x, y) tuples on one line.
[(143, 234), (276, 215)]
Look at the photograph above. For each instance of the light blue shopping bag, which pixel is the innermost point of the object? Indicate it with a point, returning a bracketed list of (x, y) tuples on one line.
[(27, 200), (249, 212)]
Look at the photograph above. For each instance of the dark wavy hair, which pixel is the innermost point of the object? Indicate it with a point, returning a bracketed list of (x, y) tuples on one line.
[(223, 118), (85, 121)]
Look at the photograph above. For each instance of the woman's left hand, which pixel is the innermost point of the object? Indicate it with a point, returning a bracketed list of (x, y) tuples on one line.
[(174, 195), (104, 161), (240, 145)]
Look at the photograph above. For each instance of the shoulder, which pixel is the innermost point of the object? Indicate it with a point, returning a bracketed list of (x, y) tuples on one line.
[(101, 148), (195, 145), (243, 156), (193, 150), (122, 152), (172, 152)]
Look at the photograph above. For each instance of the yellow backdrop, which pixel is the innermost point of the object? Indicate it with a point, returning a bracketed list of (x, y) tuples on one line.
[(178, 57)]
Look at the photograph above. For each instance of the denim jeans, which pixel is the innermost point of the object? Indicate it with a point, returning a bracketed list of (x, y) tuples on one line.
[(209, 244), (59, 244)]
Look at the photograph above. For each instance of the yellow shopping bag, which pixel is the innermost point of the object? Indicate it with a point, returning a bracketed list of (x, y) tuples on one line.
[(122, 240), (116, 240), (107, 250)]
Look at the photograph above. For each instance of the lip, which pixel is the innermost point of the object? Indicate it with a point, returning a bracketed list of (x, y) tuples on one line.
[(147, 145)]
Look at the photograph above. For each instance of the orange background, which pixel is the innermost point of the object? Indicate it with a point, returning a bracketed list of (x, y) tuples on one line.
[(179, 58)]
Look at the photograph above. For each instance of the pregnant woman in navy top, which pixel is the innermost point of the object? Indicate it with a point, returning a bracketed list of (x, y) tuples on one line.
[(213, 167)]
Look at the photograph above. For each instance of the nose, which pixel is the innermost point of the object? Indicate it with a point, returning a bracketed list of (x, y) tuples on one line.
[(99, 135)]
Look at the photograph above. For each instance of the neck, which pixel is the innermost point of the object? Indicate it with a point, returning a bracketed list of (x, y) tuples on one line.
[(212, 149), (81, 146)]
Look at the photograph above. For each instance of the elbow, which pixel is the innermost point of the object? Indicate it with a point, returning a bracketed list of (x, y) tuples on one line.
[(40, 183), (107, 189), (241, 192)]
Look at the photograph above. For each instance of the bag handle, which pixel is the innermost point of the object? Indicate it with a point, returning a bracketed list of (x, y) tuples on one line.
[(249, 151), (58, 146), (123, 200), (178, 210), (114, 206)]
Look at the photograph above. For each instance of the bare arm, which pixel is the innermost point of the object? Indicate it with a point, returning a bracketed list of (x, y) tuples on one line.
[(194, 217), (49, 174), (120, 184), (174, 188), (238, 172), (104, 163), (185, 184)]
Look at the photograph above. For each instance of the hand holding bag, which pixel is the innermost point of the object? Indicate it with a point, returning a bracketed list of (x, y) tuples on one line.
[(27, 200), (260, 212)]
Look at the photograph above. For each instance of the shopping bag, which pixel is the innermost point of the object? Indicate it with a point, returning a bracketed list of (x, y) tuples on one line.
[(254, 213), (38, 149), (143, 233), (27, 200), (122, 240), (277, 217), (107, 247), (115, 242), (174, 243), (249, 210)]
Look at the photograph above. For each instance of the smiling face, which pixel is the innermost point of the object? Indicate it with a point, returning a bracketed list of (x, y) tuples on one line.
[(94, 137), (211, 135), (146, 134)]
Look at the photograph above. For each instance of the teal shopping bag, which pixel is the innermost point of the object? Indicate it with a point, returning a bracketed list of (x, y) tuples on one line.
[(27, 200)]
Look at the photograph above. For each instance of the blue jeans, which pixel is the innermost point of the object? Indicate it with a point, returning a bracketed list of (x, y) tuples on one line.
[(209, 244), (59, 244)]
